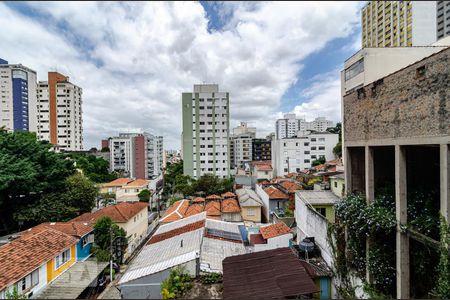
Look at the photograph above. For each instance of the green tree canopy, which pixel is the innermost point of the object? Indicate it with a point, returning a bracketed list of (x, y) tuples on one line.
[(319, 161), (29, 169), (95, 168), (104, 230), (144, 195)]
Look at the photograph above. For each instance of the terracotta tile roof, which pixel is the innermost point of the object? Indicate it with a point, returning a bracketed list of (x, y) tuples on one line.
[(230, 206), (332, 162), (137, 182), (264, 167), (259, 163), (198, 199), (332, 169), (319, 167), (274, 230), (271, 274), (290, 175), (257, 239), (275, 193), (180, 230), (212, 208), (33, 248), (228, 195), (213, 197), (176, 211), (76, 229), (119, 213), (194, 208), (117, 182), (290, 186)]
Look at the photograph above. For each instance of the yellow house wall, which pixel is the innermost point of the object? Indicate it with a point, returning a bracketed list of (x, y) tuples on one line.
[(52, 273), (255, 218)]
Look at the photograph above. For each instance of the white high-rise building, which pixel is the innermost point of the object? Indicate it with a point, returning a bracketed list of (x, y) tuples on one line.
[(137, 155), (206, 131), (17, 97), (297, 153), (290, 125), (59, 112)]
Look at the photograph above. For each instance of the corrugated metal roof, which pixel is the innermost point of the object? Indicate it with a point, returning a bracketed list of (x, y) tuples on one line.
[(214, 251), (267, 274), (318, 197), (180, 223), (223, 226), (165, 254)]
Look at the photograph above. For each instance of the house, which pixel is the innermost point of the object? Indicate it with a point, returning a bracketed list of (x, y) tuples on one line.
[(216, 207), (321, 274), (113, 186), (231, 210), (132, 217), (273, 198), (337, 185), (129, 192), (263, 170), (250, 205), (322, 201), (270, 274), (196, 243), (82, 231), (34, 259), (271, 237)]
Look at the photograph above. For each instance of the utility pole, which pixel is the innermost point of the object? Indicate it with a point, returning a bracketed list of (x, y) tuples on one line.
[(111, 258)]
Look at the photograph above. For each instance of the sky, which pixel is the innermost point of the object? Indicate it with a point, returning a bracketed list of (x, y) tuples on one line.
[(135, 59)]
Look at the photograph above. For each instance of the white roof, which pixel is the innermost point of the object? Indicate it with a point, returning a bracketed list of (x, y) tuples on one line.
[(318, 197), (214, 251), (223, 226), (180, 223), (164, 254), (248, 197)]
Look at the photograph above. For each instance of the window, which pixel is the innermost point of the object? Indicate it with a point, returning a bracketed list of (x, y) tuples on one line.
[(313, 139), (420, 72), (322, 211), (250, 211), (62, 258), (355, 69), (335, 184), (321, 148)]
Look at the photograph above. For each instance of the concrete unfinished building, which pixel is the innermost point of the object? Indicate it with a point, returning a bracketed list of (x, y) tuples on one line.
[(397, 131)]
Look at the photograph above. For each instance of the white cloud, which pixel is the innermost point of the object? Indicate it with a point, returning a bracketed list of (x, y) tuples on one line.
[(137, 58)]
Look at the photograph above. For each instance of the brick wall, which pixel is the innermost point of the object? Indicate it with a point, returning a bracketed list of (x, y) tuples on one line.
[(408, 103)]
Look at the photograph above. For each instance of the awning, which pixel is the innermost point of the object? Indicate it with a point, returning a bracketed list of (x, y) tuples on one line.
[(71, 283)]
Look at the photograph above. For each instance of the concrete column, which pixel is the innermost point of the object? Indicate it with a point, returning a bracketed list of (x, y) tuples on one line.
[(348, 171), (369, 169), (444, 181), (370, 195), (402, 241)]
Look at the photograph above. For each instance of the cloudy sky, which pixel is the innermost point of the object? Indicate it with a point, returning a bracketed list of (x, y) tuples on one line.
[(133, 60)]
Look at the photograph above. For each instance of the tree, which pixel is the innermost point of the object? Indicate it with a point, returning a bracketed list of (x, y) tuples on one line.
[(144, 195), (107, 198), (337, 129), (95, 168), (337, 150), (319, 161), (15, 294), (29, 169), (78, 197), (104, 229)]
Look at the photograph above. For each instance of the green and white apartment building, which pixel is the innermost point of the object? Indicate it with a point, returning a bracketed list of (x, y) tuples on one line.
[(205, 137)]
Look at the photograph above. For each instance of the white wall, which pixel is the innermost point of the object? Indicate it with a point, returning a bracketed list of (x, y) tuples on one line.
[(265, 200), (311, 224), (42, 283), (424, 20)]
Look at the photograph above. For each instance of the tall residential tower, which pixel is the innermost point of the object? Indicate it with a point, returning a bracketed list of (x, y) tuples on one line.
[(206, 131), (398, 23), (17, 97), (59, 112)]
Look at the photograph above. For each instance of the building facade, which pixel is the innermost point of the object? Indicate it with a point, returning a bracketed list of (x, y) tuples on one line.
[(399, 23), (206, 131), (17, 97), (443, 19), (385, 144), (59, 112), (137, 155), (290, 125), (261, 150), (297, 153)]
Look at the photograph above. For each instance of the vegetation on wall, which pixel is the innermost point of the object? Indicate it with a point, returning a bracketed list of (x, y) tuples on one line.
[(177, 284), (376, 222)]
